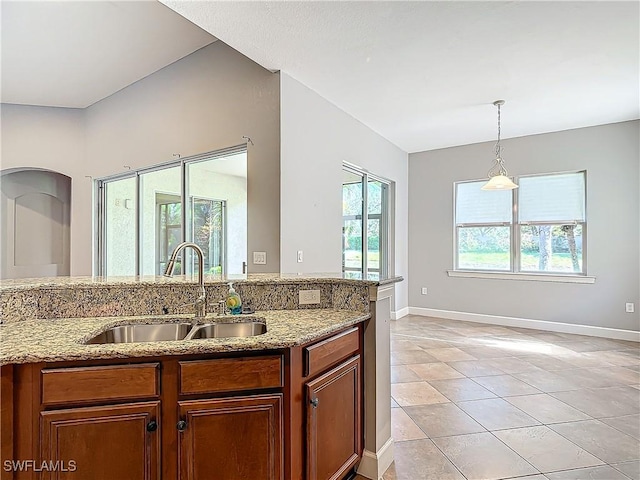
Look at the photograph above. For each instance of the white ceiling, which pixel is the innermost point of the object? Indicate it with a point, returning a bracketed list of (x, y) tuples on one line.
[(75, 53), (425, 74)]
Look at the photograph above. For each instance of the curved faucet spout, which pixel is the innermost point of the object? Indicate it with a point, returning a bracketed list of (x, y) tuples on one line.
[(201, 302)]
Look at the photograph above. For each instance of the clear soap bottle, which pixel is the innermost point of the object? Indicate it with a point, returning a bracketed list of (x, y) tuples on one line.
[(234, 304)]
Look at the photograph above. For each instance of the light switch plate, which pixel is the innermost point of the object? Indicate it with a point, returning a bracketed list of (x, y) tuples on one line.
[(308, 297), (259, 258)]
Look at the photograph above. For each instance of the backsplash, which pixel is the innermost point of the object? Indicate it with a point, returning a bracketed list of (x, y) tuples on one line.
[(96, 299)]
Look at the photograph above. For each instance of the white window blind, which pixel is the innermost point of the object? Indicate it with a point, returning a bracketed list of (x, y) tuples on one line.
[(552, 198), (474, 205)]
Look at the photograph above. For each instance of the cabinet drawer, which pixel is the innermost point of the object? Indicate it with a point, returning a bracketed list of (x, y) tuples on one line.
[(95, 384), (230, 374), (320, 356)]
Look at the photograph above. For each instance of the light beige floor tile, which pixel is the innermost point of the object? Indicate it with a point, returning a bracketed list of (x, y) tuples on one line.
[(601, 440), (603, 402), (434, 371), (394, 404), (416, 393), (506, 385), (624, 375), (497, 414), (481, 351), (443, 419), (405, 357), (403, 374), (546, 381), (512, 365), (477, 368), (546, 450), (604, 472), (630, 469), (421, 460), (403, 427), (483, 456), (450, 354), (547, 362), (620, 359), (461, 389), (582, 346), (587, 359), (629, 424), (590, 377), (547, 409)]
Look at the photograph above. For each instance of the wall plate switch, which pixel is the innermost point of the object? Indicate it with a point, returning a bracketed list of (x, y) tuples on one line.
[(308, 297), (259, 258), (424, 290), (299, 256), (629, 307)]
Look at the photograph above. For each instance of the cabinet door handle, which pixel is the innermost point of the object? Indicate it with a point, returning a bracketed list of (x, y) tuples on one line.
[(314, 402), (152, 426), (181, 425)]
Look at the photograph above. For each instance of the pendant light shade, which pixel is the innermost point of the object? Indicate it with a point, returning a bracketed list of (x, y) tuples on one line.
[(498, 176)]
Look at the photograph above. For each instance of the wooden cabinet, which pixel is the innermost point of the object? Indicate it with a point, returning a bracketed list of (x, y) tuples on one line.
[(334, 422), (231, 438), (102, 443), (292, 414)]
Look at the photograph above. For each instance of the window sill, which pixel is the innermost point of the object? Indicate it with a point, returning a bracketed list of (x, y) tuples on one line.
[(530, 277)]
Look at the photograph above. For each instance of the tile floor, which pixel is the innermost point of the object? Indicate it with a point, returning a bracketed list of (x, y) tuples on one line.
[(474, 401)]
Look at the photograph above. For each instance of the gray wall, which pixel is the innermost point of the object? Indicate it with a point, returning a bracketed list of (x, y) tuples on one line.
[(609, 153), (203, 102), (317, 137)]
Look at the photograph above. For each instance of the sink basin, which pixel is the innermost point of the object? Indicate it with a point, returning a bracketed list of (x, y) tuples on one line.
[(142, 333), (221, 330)]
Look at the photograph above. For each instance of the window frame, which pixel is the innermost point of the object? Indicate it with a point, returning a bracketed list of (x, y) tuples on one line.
[(514, 225)]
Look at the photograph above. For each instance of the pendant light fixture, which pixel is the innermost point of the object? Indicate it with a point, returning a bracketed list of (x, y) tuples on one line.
[(498, 176)]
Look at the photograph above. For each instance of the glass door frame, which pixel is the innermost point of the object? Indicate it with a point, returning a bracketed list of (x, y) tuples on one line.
[(385, 222), (100, 197)]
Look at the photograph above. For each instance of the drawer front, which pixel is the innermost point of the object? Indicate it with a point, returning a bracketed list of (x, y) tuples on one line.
[(324, 354), (230, 374), (95, 384)]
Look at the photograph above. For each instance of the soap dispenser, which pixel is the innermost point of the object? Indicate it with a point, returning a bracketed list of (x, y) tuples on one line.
[(234, 304)]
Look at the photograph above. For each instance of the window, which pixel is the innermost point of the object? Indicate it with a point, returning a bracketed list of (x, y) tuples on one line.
[(143, 215), (365, 208), (537, 228)]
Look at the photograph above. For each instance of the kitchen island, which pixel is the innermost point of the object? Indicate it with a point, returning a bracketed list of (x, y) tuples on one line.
[(197, 403)]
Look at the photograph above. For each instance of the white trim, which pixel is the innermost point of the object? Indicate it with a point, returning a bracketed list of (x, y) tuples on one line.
[(403, 312), (532, 277), (374, 464), (590, 330)]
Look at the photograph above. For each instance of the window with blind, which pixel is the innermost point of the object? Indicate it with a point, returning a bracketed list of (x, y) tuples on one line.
[(537, 228)]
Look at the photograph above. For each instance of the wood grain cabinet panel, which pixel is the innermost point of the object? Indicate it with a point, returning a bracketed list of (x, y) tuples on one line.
[(97, 384), (237, 438), (102, 443), (329, 352), (334, 422), (230, 374)]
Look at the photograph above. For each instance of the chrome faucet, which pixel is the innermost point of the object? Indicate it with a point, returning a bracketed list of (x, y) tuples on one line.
[(201, 301)]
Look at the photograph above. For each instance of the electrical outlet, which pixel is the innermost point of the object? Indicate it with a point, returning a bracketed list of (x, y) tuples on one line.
[(299, 256), (629, 307), (308, 297), (259, 258), (424, 290)]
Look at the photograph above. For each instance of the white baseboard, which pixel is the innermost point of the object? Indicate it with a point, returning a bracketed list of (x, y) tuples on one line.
[(403, 312), (590, 330), (374, 464)]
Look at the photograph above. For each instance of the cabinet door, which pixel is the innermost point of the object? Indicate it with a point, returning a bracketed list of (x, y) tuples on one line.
[(101, 443), (236, 438), (334, 426)]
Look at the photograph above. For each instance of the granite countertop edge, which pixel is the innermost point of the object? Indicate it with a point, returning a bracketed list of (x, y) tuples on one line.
[(8, 286), (59, 340)]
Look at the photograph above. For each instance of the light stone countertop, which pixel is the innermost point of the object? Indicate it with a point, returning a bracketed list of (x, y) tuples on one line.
[(32, 341)]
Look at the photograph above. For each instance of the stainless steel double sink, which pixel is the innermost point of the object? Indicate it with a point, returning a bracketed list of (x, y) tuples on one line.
[(158, 332)]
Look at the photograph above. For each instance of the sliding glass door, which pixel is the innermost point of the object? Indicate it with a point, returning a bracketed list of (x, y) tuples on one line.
[(144, 215), (365, 225)]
